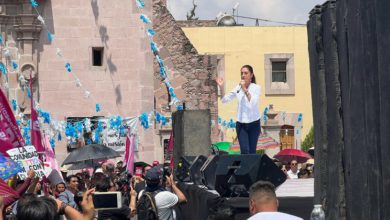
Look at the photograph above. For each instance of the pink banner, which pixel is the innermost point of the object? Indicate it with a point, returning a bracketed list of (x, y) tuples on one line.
[(49, 154), (10, 136), (129, 154), (170, 150)]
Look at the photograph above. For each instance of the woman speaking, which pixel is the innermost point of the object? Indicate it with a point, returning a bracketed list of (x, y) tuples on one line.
[(248, 117)]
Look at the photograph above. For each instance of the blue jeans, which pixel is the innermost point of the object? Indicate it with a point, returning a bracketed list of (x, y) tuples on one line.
[(248, 134)]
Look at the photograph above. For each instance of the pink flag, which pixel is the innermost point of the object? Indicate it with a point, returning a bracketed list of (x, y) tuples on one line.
[(10, 136), (49, 154), (129, 153), (36, 138), (170, 150)]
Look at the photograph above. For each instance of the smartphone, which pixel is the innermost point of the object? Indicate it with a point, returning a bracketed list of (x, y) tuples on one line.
[(107, 200)]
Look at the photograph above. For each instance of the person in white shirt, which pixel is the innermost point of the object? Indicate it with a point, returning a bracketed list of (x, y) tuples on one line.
[(165, 200), (293, 172), (248, 116), (263, 203)]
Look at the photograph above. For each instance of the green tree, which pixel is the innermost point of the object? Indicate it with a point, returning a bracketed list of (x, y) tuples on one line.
[(309, 140)]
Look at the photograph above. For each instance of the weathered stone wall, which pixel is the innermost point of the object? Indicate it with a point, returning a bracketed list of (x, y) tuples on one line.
[(197, 23), (192, 75)]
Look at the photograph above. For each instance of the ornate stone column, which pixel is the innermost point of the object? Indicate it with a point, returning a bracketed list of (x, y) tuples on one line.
[(20, 30)]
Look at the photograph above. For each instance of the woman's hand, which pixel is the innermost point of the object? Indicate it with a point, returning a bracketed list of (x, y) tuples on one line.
[(219, 81)]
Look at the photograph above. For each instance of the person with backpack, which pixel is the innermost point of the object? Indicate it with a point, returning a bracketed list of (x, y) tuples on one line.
[(156, 202)]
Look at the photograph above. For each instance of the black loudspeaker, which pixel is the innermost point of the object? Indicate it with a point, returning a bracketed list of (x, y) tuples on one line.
[(236, 173), (183, 168), (196, 176), (191, 132), (208, 171)]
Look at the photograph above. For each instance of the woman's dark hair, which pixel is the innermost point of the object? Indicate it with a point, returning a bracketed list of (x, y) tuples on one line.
[(69, 178), (250, 68), (42, 208)]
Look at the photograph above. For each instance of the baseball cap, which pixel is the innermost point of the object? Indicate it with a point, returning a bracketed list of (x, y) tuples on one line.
[(154, 174)]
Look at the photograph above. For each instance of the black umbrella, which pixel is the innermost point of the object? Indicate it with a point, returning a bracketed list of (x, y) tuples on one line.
[(83, 164), (141, 164), (91, 152)]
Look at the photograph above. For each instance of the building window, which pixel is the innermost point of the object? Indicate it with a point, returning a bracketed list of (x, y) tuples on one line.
[(279, 74), (97, 56)]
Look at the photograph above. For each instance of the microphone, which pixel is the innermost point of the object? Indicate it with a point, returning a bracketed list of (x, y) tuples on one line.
[(238, 90)]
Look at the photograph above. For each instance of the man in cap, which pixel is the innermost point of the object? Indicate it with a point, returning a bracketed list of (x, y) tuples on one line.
[(165, 200)]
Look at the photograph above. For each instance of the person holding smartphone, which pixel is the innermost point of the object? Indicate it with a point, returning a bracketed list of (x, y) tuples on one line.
[(248, 116), (124, 212)]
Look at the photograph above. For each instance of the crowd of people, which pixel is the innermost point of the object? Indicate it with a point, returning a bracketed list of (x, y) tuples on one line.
[(295, 170), (71, 196)]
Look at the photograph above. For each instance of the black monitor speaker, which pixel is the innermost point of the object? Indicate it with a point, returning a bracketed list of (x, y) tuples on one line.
[(208, 171), (196, 176), (182, 172), (234, 174)]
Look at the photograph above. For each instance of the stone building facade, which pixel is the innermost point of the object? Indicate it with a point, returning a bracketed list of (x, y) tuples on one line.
[(122, 82), (192, 75)]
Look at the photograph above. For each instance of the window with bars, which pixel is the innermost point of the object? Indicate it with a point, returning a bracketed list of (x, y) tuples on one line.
[(279, 71)]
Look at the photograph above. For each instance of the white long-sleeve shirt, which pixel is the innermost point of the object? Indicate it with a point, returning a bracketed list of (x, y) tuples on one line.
[(247, 111)]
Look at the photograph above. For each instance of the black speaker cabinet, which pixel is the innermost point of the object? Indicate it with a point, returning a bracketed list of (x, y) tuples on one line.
[(196, 175), (182, 171), (236, 173), (208, 171), (191, 132)]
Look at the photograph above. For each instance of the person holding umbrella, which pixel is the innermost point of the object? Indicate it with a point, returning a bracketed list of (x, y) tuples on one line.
[(248, 116)]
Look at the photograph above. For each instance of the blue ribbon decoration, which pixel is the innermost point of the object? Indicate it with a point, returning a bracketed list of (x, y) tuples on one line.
[(29, 92), (158, 117), (300, 116), (79, 127), (34, 4), (49, 36), (140, 4), (14, 65), (151, 32), (122, 131), (144, 120), (14, 104), (153, 47), (163, 73), (3, 69), (68, 67), (52, 143), (163, 120), (98, 107), (145, 19), (70, 131), (179, 107), (97, 132)]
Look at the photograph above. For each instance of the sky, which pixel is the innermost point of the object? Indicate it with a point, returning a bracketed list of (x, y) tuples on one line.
[(295, 11)]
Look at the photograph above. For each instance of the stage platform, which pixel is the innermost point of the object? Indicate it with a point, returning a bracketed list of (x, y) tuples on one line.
[(295, 197)]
